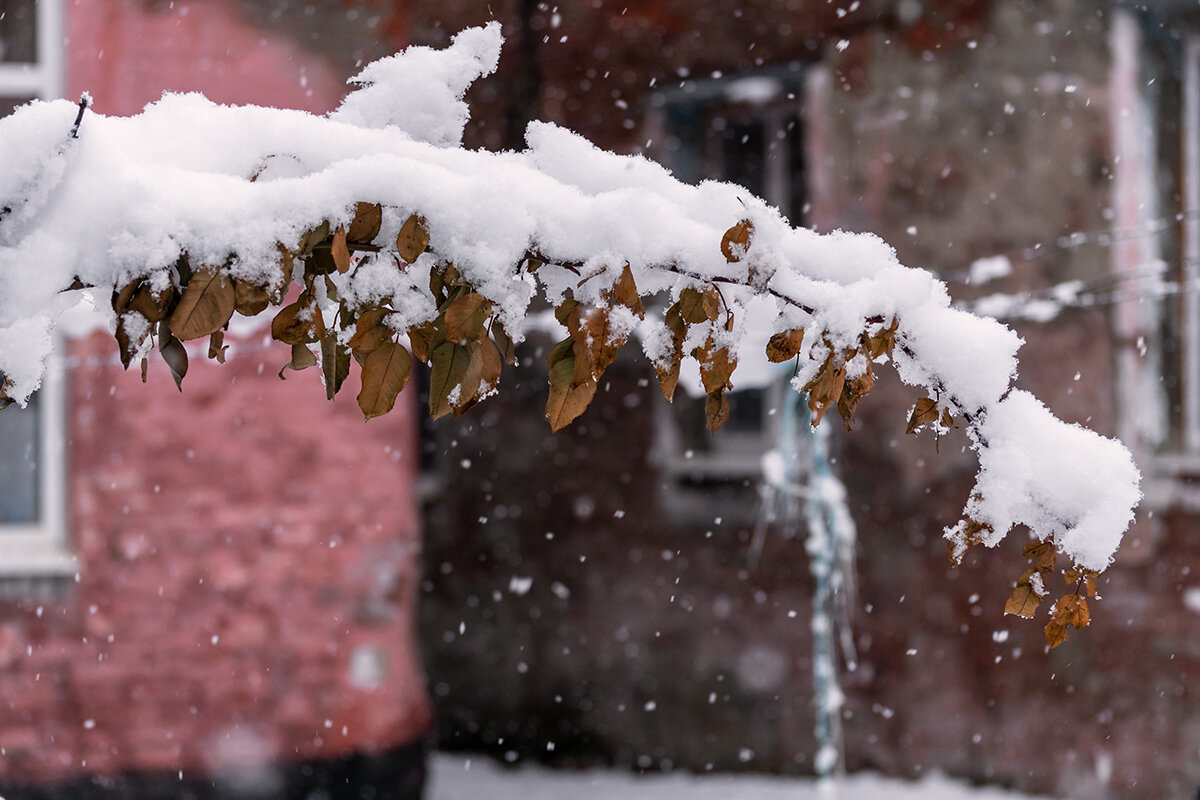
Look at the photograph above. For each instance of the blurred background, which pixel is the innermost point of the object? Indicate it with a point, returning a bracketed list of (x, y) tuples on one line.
[(244, 591)]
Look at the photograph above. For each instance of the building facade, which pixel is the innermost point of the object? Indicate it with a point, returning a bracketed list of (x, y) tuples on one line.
[(206, 594), (598, 596), (614, 595)]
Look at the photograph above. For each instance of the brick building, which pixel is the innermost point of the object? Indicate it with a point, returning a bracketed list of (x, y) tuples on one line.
[(206, 594), (588, 597), (1058, 134)]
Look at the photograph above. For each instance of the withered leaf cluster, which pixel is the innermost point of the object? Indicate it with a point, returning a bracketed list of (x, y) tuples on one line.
[(1070, 611), (466, 346), (577, 362)]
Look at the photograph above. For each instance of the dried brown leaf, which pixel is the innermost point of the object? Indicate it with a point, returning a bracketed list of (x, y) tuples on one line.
[(448, 364), (785, 346), (1041, 552), (668, 377), (299, 322), (882, 343), (736, 241), (716, 410), (369, 330), (130, 345), (368, 218), (335, 363), (206, 305), (466, 316), (217, 346), (1023, 602), (122, 297), (596, 335), (249, 298), (174, 354), (923, 413), (314, 237), (852, 392), (469, 389), (1056, 633), (154, 306), (1072, 609), (421, 338), (493, 364), (825, 389), (696, 306), (624, 292), (504, 343), (384, 375), (716, 367), (567, 399), (302, 358), (339, 251), (413, 239)]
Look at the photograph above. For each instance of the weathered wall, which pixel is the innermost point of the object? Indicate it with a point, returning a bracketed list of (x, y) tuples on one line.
[(976, 129)]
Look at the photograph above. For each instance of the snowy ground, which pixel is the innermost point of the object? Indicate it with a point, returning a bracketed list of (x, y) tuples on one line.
[(458, 777)]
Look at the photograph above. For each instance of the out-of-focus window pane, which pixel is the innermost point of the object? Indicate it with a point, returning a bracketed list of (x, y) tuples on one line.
[(9, 104), (18, 32), (19, 465)]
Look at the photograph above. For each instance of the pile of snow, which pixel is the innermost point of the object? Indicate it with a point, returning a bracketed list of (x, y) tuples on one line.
[(456, 777), (127, 196)]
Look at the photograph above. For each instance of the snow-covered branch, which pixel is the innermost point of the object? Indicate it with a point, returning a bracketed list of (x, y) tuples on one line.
[(192, 210)]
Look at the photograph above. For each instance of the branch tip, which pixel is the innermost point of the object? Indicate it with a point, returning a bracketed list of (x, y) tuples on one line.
[(85, 102)]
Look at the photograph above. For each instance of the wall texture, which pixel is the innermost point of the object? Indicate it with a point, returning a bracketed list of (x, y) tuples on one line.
[(646, 636), (246, 598), (242, 620)]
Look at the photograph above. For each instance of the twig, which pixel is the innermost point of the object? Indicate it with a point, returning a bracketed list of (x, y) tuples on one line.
[(85, 100)]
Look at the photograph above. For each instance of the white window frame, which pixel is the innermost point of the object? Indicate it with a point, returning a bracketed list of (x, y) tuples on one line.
[(41, 549), (1190, 249), (734, 455), (774, 98), (43, 78)]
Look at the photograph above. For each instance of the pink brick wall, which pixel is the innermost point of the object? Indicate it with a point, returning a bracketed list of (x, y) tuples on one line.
[(250, 551), (126, 53), (250, 558)]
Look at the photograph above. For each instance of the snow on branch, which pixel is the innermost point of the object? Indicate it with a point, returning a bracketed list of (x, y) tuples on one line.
[(404, 244)]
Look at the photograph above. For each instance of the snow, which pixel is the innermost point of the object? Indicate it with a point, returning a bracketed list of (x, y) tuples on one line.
[(457, 777), (1058, 479), (227, 184), (421, 90), (1191, 598), (987, 269)]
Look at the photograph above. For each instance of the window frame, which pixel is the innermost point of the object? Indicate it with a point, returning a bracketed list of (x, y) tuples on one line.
[(1189, 266), (774, 98), (42, 78), (41, 549)]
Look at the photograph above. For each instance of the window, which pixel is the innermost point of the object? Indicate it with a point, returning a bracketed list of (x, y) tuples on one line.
[(748, 130), (32, 527), (1157, 194), (1186, 350), (31, 63)]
